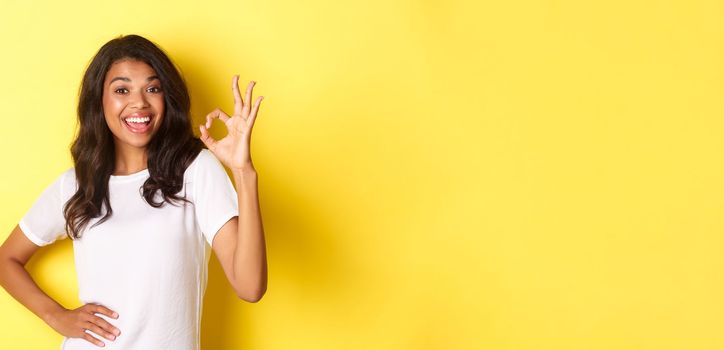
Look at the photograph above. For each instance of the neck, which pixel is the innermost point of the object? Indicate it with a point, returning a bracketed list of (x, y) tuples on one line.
[(130, 160)]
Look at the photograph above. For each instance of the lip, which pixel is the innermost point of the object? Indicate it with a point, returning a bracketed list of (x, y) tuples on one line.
[(135, 128)]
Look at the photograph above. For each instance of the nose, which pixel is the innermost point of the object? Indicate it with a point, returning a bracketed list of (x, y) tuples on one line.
[(138, 100)]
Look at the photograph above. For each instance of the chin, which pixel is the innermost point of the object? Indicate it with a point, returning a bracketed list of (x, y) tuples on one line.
[(136, 142)]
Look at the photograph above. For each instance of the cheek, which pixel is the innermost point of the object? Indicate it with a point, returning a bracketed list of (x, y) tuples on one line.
[(111, 111), (159, 103), (112, 107)]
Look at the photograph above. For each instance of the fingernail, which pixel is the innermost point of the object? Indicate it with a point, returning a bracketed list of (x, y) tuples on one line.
[(115, 314)]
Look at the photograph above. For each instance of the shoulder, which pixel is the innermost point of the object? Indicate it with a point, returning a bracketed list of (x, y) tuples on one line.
[(68, 183), (205, 155), (63, 184), (205, 167), (204, 160), (205, 172), (68, 174)]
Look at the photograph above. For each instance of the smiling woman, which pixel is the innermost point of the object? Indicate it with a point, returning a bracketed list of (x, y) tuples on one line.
[(132, 103), (144, 204)]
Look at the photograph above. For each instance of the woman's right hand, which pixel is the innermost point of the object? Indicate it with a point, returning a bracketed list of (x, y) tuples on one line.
[(73, 323)]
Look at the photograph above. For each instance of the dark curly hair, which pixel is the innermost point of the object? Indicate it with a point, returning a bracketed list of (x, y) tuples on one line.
[(171, 150)]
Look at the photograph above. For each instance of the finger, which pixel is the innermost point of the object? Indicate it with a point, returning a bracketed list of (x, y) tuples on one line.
[(216, 113), (107, 326), (92, 339), (206, 138), (248, 94), (238, 102), (98, 330), (103, 310), (254, 110)]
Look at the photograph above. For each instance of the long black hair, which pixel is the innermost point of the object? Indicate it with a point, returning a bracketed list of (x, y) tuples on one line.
[(170, 151)]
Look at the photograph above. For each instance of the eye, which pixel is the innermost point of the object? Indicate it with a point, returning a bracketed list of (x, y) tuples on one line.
[(154, 89), (120, 89)]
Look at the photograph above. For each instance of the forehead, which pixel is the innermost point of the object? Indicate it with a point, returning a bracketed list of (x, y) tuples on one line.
[(135, 70)]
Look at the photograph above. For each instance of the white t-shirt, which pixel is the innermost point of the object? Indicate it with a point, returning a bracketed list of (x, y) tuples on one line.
[(148, 264)]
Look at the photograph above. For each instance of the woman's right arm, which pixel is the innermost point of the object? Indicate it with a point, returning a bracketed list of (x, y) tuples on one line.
[(14, 254)]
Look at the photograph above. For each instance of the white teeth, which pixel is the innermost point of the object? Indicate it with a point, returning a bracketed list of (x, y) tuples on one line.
[(138, 120)]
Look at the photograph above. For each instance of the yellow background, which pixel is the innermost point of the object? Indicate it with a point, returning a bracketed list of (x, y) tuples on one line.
[(433, 174)]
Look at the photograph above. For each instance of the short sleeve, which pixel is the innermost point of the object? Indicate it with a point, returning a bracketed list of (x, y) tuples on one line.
[(215, 199), (44, 222)]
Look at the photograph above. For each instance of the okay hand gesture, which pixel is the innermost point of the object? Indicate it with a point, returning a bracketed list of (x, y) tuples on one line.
[(234, 149)]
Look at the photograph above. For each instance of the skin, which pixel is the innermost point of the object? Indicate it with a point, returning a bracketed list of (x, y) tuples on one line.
[(240, 249), (131, 86)]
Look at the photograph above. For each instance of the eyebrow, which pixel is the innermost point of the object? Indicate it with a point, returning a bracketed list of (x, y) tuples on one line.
[(128, 80)]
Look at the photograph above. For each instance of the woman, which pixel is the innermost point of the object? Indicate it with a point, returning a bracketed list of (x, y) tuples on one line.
[(141, 202)]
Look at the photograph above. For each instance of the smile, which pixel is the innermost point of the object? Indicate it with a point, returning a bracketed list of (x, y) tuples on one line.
[(138, 124)]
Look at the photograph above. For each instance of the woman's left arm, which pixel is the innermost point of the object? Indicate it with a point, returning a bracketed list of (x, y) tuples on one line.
[(250, 270), (241, 248)]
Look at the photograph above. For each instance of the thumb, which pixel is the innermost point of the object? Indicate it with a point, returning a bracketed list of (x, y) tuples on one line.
[(206, 138)]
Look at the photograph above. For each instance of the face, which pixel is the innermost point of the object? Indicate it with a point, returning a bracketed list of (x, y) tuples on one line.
[(133, 103)]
